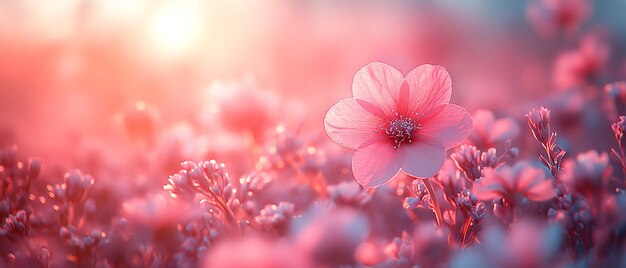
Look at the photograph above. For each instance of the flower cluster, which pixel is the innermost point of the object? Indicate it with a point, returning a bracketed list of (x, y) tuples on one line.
[(521, 162)]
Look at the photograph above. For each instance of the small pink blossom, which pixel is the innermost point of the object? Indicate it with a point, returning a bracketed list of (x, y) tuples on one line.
[(588, 173), (515, 183), (488, 132), (398, 123), (581, 66)]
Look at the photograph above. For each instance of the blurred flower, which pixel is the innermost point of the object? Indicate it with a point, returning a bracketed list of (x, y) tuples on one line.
[(156, 211), (550, 16), (489, 132), (573, 213), (399, 252), (284, 150), (430, 245), (16, 180), (588, 174), (398, 123), (526, 244), (419, 196), (427, 246), (330, 235), (276, 217), (451, 179), (244, 107), (472, 161), (140, 122), (370, 253), (15, 226), (81, 242), (74, 189), (582, 66), (182, 141), (254, 252), (348, 193), (515, 183)]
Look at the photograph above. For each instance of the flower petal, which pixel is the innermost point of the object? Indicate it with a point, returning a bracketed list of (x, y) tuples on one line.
[(488, 191), (503, 130), (449, 124), (375, 164), (541, 192), (350, 123), (483, 123), (379, 84), (422, 159), (526, 178), (429, 86), (494, 185)]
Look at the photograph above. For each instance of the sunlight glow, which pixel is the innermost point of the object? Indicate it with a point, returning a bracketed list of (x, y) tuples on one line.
[(175, 28)]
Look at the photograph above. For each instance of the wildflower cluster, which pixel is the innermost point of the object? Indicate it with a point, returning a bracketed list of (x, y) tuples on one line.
[(521, 162)]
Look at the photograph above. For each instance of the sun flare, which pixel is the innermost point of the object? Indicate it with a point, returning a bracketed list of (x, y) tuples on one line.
[(175, 28)]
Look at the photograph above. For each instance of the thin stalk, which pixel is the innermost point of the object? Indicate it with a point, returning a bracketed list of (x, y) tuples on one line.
[(433, 198)]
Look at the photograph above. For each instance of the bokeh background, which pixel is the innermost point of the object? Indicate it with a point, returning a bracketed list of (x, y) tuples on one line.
[(68, 68), (126, 90)]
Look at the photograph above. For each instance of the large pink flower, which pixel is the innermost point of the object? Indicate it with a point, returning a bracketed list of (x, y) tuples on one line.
[(398, 123)]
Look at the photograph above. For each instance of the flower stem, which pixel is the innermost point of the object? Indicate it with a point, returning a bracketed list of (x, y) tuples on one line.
[(433, 198)]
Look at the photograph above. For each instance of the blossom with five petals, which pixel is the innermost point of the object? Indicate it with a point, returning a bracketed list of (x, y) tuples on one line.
[(398, 123)]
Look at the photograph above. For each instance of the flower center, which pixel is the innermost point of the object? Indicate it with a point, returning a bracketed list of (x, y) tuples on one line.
[(400, 130)]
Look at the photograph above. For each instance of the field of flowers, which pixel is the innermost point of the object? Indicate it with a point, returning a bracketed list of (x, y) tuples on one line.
[(313, 133)]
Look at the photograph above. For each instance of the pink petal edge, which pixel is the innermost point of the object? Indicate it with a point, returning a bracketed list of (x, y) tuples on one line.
[(350, 124), (379, 84), (449, 124), (375, 164)]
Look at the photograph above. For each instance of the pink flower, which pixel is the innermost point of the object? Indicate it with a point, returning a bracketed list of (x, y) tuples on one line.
[(574, 68), (515, 183), (488, 131), (589, 173), (398, 123), (244, 107)]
